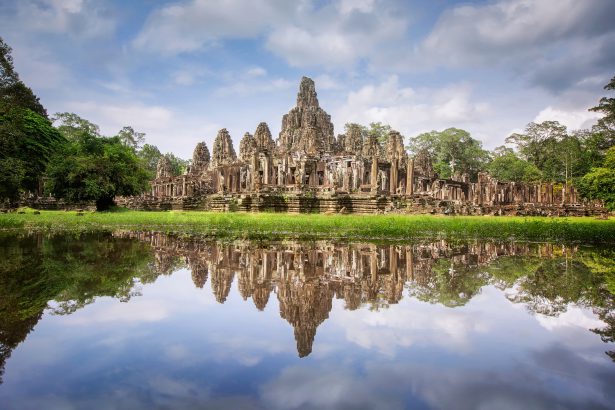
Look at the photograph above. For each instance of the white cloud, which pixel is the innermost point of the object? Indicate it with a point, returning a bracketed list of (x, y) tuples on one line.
[(572, 119), (333, 35), (83, 18), (506, 29), (139, 310), (412, 111), (168, 129), (326, 82), (249, 86), (190, 75), (256, 72), (574, 316), (348, 6), (196, 24)]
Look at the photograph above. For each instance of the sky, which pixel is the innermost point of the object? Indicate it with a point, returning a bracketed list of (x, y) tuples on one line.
[(181, 70)]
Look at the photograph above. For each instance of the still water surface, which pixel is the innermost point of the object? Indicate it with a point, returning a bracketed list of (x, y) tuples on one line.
[(146, 320)]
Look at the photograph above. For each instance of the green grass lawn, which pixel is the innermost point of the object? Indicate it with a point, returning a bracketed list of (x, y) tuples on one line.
[(314, 226)]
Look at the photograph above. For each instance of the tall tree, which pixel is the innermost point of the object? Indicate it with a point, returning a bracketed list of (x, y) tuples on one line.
[(606, 124), (12, 90), (73, 127), (453, 151), (131, 138), (547, 145), (149, 155)]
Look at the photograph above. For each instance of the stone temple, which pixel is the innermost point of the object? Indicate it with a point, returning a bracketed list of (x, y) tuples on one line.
[(308, 169)]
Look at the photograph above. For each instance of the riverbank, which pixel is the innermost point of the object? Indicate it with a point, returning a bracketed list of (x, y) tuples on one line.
[(313, 226)]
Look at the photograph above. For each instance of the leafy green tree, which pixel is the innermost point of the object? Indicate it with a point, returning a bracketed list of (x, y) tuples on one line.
[(27, 142), (27, 139), (12, 174), (131, 138), (72, 126), (380, 131), (506, 166), (149, 156), (12, 90), (178, 165), (453, 151), (96, 168), (599, 183), (560, 156), (606, 124)]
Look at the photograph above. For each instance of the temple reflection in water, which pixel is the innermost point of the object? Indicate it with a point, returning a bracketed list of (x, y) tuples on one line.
[(306, 277)]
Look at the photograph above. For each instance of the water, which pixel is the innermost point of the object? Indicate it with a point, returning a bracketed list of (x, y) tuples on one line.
[(143, 320)]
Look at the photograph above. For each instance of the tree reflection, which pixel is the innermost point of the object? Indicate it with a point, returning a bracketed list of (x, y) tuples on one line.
[(69, 270)]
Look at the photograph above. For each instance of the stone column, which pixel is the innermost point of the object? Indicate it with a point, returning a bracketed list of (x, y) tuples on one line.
[(393, 183), (254, 172), (374, 175), (410, 178), (266, 172)]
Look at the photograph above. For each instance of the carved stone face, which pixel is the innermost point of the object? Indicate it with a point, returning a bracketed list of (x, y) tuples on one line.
[(307, 127), (223, 152)]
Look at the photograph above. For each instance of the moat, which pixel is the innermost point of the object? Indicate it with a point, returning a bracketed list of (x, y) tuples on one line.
[(148, 320)]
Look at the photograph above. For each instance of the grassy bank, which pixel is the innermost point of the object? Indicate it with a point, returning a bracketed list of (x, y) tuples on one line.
[(268, 226)]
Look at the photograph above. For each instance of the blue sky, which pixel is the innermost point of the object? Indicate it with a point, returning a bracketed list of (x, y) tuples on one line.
[(181, 70)]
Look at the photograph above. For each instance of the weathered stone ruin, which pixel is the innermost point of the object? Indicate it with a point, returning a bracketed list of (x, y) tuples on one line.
[(309, 170)]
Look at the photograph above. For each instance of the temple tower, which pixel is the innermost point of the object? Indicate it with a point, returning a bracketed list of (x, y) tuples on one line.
[(307, 128)]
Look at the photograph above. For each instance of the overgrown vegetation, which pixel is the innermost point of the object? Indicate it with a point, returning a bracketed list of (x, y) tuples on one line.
[(268, 225)]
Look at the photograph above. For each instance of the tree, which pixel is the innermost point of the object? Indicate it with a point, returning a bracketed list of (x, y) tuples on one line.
[(380, 131), (27, 142), (149, 156), (506, 166), (72, 126), (131, 138), (178, 165), (27, 139), (599, 183), (606, 124), (453, 151), (96, 168), (561, 157), (12, 90)]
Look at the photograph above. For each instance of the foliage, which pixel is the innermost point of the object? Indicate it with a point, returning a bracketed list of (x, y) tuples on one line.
[(453, 151), (12, 174), (27, 142), (599, 183), (560, 156), (606, 125), (131, 138), (96, 168), (380, 131), (12, 90), (27, 139), (507, 166), (149, 156), (178, 165), (72, 126)]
